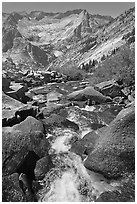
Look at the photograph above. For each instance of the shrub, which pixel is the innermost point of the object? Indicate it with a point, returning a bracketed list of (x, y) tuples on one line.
[(72, 72), (120, 66)]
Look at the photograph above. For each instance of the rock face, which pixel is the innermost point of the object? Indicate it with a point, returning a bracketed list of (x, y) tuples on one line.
[(8, 38), (11, 191), (9, 107), (126, 193), (110, 88), (43, 165), (84, 146), (88, 93), (19, 140), (58, 121), (113, 155)]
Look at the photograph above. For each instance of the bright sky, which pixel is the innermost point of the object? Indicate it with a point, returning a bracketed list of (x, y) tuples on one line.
[(104, 8)]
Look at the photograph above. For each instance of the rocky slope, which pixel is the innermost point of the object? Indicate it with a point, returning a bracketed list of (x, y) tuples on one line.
[(49, 32), (75, 36)]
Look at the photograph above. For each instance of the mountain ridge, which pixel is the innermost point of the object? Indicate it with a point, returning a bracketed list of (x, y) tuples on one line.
[(65, 31)]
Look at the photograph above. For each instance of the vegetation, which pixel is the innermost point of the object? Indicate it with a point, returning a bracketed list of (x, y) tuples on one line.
[(120, 66), (130, 36), (71, 71), (89, 67)]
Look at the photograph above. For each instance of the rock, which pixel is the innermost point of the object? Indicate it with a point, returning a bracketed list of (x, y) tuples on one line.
[(10, 103), (132, 104), (26, 168), (19, 140), (27, 81), (9, 107), (131, 98), (8, 118), (43, 165), (5, 84), (26, 111), (40, 98), (126, 192), (114, 152), (59, 121), (14, 111), (53, 96), (81, 104), (118, 100), (126, 91), (17, 91), (8, 37), (53, 108), (85, 145), (110, 88), (88, 93), (29, 125), (47, 77), (108, 113), (11, 191)]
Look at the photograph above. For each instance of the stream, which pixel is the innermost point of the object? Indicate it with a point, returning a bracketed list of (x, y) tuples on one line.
[(69, 180)]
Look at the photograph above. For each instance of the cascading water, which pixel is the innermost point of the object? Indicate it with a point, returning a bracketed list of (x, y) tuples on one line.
[(69, 180)]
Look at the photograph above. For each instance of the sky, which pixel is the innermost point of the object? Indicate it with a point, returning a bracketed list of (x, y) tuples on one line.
[(103, 8)]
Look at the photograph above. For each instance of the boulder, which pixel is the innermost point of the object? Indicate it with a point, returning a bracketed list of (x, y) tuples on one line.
[(59, 121), (26, 111), (108, 113), (52, 108), (18, 92), (10, 103), (126, 192), (53, 96), (114, 152), (5, 83), (14, 111), (85, 145), (110, 88), (11, 191), (29, 125), (43, 165), (88, 93), (19, 140), (126, 91), (9, 107)]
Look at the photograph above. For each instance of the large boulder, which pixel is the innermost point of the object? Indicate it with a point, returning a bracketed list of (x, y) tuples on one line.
[(114, 152), (14, 111), (88, 93), (110, 88), (126, 192), (11, 191), (19, 140), (85, 145), (9, 107), (53, 108), (18, 92), (43, 165), (55, 120)]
